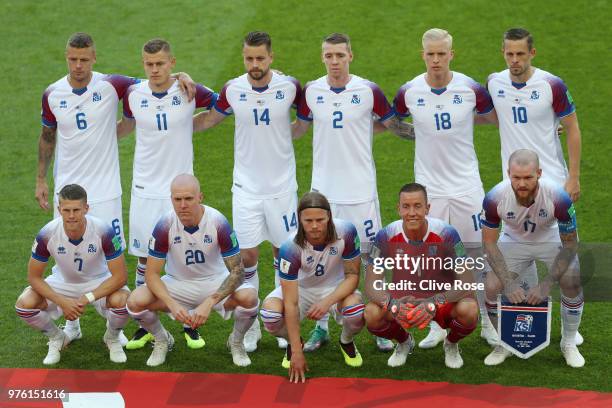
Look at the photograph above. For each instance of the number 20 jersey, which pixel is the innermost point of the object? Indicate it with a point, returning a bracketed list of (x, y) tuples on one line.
[(194, 253)]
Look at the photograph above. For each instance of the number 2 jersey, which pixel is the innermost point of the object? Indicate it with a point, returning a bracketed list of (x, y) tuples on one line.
[(164, 131), (529, 115), (343, 121), (86, 121), (82, 260), (444, 160), (264, 162), (195, 253), (536, 223), (319, 266)]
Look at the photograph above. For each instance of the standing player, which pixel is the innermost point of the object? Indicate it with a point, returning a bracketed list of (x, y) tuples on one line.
[(319, 273), (201, 248), (530, 104), (442, 105), (432, 241), (164, 149), (264, 186), (343, 108), (89, 268), (79, 116), (538, 215)]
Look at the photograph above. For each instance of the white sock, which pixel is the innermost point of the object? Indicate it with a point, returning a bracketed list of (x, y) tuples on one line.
[(39, 320), (140, 274), (251, 276), (149, 321), (323, 323), (73, 324), (571, 314), (243, 320), (117, 319)]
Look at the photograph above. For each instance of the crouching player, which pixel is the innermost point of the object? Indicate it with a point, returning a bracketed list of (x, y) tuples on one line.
[(431, 249), (319, 273), (200, 247), (89, 268)]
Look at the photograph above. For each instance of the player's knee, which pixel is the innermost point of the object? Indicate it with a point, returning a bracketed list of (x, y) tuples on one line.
[(117, 299), (138, 300), (492, 286), (570, 284), (372, 314), (247, 298), (467, 310), (273, 320), (29, 300)]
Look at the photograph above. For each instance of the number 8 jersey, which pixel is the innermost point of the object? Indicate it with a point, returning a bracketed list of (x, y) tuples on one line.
[(194, 253)]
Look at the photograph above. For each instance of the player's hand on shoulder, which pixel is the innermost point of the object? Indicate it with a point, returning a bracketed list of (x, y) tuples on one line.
[(187, 85), (298, 367), (42, 194), (572, 186)]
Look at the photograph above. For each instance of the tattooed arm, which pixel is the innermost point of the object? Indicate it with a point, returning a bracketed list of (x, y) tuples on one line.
[(235, 278), (46, 148), (404, 130)]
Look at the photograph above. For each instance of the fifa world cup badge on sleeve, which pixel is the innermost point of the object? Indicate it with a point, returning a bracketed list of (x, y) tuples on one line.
[(523, 329)]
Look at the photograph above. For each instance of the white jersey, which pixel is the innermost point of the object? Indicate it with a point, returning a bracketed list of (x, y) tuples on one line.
[(319, 267), (529, 115), (445, 160), (164, 130), (264, 163), (86, 121), (536, 223), (194, 253), (82, 260), (343, 166)]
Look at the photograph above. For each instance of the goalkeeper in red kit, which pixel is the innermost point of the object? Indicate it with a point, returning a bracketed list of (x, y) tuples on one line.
[(437, 259)]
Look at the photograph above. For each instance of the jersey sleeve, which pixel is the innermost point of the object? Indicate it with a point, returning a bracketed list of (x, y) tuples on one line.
[(484, 103), (381, 107), (565, 213), (111, 244), (378, 247), (399, 103), (222, 104), (289, 261), (352, 245), (303, 110), (159, 241), (121, 83), (562, 103), (40, 251), (226, 237), (453, 244), (127, 110), (47, 116), (298, 91), (205, 97), (491, 216)]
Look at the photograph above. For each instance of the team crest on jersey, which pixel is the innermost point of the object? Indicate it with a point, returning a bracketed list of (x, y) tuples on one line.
[(96, 97), (510, 215), (310, 259), (284, 266), (333, 251), (177, 240), (61, 250), (320, 99), (523, 323), (63, 104), (535, 95), (420, 102), (457, 99), (207, 239), (176, 100), (91, 249), (501, 93), (280, 95), (355, 100), (144, 103), (151, 243), (543, 213), (242, 97)]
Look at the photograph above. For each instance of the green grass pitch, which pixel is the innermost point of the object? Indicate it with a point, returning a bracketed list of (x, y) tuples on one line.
[(571, 39)]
